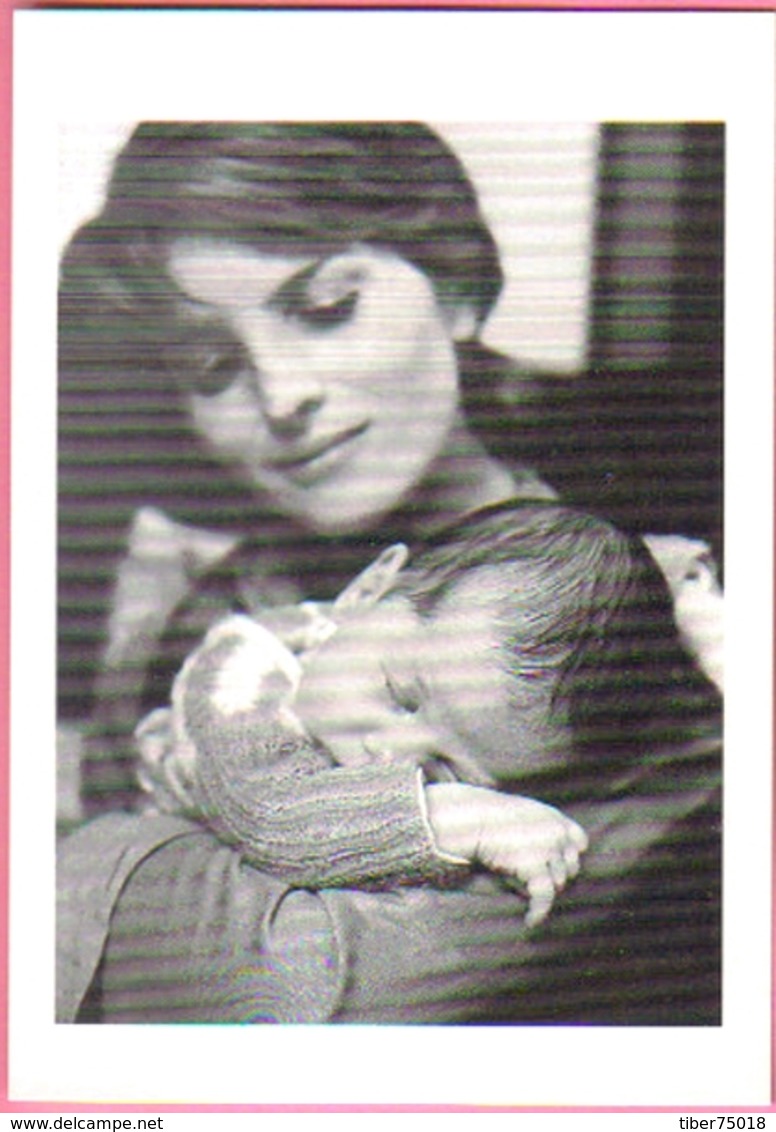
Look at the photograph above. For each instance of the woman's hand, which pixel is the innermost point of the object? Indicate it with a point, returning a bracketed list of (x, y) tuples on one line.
[(517, 837)]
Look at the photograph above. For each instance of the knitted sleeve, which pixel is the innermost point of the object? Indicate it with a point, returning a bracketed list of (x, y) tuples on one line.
[(314, 824), (262, 784)]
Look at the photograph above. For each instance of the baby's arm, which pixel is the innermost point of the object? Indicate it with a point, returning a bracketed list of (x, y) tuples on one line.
[(231, 753), (320, 826)]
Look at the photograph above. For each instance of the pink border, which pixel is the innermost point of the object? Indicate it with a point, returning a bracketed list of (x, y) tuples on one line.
[(7, 8), (441, 5), (6, 80)]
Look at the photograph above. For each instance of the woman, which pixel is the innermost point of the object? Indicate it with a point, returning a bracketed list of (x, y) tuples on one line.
[(269, 348)]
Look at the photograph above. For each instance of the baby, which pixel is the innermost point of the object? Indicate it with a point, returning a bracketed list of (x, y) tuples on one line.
[(361, 744)]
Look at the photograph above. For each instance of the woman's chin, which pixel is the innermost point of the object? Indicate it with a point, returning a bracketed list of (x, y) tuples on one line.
[(328, 514), (341, 521), (339, 507)]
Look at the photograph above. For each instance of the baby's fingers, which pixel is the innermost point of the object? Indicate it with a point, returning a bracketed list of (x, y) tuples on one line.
[(559, 872), (563, 860), (571, 861), (576, 835), (541, 894)]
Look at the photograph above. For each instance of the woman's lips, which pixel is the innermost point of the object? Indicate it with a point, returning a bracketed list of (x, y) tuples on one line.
[(316, 459)]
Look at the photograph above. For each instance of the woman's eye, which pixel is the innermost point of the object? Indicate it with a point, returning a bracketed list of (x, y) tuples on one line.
[(215, 370), (324, 316), (207, 369)]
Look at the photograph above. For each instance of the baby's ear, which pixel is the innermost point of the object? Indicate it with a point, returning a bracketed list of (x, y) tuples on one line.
[(462, 320), (153, 732), (374, 582)]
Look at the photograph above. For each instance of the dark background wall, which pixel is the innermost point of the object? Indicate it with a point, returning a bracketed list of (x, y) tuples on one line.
[(639, 433)]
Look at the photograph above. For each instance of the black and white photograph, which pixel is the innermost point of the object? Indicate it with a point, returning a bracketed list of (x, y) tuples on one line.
[(386, 462), (273, 391)]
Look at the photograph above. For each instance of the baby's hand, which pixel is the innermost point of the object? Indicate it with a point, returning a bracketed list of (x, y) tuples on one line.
[(301, 628), (518, 837), (164, 769), (535, 843)]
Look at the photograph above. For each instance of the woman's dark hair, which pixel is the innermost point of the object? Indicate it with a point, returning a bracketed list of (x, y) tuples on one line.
[(124, 437), (295, 187)]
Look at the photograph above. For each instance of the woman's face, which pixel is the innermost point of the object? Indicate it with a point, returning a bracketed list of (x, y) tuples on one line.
[(328, 382)]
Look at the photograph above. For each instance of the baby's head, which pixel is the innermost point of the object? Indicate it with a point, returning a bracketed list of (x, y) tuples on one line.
[(461, 662), (469, 660)]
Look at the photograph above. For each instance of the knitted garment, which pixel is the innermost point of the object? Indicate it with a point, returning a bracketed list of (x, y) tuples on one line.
[(235, 756)]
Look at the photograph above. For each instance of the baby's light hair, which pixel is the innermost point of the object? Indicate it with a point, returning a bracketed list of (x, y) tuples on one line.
[(575, 614), (571, 570), (588, 628)]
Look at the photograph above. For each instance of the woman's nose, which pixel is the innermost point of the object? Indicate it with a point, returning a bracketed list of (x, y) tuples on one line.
[(288, 405), (289, 392)]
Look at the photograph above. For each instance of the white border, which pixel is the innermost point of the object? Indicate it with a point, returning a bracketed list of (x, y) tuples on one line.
[(79, 65)]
